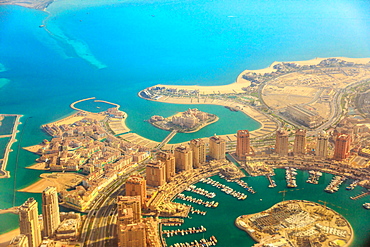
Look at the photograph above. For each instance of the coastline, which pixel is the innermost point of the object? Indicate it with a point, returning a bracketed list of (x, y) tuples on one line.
[(7, 237), (239, 220), (267, 125)]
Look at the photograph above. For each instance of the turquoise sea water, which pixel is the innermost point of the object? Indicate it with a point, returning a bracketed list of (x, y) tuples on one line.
[(113, 49), (220, 221)]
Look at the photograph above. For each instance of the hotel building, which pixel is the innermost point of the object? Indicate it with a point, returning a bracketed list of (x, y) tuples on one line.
[(322, 145), (169, 160), (50, 211), (29, 222), (342, 146), (299, 147), (198, 147), (281, 145), (183, 158), (136, 186), (217, 147), (155, 173), (243, 144)]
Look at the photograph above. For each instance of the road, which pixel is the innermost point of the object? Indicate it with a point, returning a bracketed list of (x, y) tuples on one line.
[(99, 228)]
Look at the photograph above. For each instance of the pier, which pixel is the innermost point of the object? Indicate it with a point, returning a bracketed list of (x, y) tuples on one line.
[(191, 230), (167, 139), (271, 181), (363, 194)]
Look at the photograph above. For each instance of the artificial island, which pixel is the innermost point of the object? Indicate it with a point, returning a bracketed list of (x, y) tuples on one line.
[(319, 125), (297, 223), (188, 121)]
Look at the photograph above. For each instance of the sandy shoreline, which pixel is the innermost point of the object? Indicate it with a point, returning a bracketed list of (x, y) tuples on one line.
[(267, 126), (237, 87), (6, 237), (314, 61)]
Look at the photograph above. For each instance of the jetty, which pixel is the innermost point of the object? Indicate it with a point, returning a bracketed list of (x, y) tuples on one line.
[(271, 181), (290, 174), (314, 177), (212, 241), (363, 194), (190, 230), (224, 188), (197, 201)]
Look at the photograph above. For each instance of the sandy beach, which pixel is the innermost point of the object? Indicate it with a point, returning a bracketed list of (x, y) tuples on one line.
[(314, 61), (237, 87), (6, 237)]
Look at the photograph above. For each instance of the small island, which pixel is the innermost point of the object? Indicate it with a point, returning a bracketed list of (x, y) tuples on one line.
[(295, 222), (188, 121)]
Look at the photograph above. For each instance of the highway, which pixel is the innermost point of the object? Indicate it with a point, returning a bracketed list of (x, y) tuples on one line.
[(99, 228)]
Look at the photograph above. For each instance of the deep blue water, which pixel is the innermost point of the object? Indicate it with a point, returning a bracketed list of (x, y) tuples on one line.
[(113, 50)]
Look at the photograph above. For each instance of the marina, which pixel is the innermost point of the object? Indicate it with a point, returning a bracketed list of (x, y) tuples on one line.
[(201, 191), (271, 181), (212, 241), (314, 177), (334, 184), (229, 208), (224, 188), (290, 174), (363, 194), (190, 230), (352, 185), (197, 201), (245, 186)]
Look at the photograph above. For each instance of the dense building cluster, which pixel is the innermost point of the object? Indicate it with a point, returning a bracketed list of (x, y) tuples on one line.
[(50, 225)]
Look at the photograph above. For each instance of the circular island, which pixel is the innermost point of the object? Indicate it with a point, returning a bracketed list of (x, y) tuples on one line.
[(297, 222), (188, 121)]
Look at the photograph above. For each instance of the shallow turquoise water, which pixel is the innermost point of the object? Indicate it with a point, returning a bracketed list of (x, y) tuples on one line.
[(113, 50), (6, 126)]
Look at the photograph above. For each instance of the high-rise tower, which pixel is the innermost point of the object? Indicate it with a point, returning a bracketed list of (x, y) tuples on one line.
[(136, 186), (169, 160), (198, 147), (156, 173), (243, 144), (217, 147), (29, 222), (50, 210), (299, 147), (342, 146), (183, 158), (281, 145), (322, 145)]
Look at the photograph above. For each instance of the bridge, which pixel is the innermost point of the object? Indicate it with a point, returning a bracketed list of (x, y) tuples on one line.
[(167, 139)]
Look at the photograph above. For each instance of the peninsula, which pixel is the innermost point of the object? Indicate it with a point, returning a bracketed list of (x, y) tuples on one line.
[(295, 222), (188, 121)]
